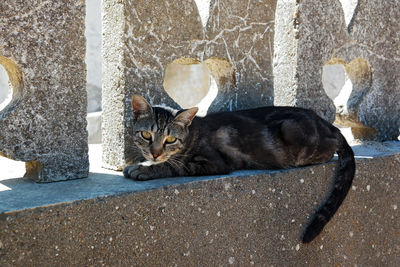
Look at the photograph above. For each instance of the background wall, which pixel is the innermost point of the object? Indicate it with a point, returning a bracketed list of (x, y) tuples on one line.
[(93, 54)]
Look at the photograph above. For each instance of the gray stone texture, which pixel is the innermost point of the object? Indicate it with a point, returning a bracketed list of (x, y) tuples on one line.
[(308, 34), (253, 218), (42, 47), (140, 39), (242, 32)]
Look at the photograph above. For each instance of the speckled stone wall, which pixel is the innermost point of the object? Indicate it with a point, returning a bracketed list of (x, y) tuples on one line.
[(310, 33), (253, 220), (42, 47), (140, 38)]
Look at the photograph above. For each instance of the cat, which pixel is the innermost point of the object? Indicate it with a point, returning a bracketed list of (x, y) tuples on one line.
[(177, 143)]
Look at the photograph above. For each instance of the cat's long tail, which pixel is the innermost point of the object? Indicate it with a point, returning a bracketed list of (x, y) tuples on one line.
[(345, 170)]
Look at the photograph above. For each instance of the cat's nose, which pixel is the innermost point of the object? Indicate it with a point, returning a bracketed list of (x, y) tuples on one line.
[(156, 152)]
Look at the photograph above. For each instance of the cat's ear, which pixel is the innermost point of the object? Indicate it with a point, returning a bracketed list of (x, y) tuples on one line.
[(185, 118), (140, 106)]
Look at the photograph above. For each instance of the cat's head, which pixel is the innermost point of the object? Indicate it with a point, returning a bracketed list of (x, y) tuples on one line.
[(159, 132)]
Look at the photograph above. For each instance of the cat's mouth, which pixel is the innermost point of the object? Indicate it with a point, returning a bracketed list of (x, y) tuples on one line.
[(158, 160)]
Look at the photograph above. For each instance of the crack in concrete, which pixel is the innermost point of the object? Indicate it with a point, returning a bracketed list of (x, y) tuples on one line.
[(367, 48)]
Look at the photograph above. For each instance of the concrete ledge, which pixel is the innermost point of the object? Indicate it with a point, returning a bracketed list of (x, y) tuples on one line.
[(248, 218)]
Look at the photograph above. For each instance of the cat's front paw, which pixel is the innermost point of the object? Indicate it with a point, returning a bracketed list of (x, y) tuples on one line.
[(137, 172)]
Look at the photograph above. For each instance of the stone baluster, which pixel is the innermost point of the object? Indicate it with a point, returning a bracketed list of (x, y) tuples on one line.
[(42, 48)]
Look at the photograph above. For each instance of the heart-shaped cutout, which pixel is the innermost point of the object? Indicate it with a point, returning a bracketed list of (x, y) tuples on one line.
[(192, 83), (347, 84)]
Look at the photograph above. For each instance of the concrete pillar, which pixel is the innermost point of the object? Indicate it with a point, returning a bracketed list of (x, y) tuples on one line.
[(43, 51), (306, 34)]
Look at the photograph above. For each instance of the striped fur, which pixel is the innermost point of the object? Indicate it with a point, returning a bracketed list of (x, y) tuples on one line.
[(219, 143)]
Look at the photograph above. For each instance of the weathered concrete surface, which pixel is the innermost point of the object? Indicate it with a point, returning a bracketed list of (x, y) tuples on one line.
[(250, 218), (242, 32), (308, 34), (141, 38), (43, 49)]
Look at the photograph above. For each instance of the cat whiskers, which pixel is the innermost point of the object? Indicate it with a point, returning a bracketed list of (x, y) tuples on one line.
[(176, 163)]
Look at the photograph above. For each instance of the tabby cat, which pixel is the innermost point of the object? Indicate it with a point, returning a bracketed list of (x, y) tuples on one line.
[(177, 143)]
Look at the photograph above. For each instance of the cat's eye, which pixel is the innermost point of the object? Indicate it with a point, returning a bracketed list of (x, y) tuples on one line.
[(170, 140), (146, 135)]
